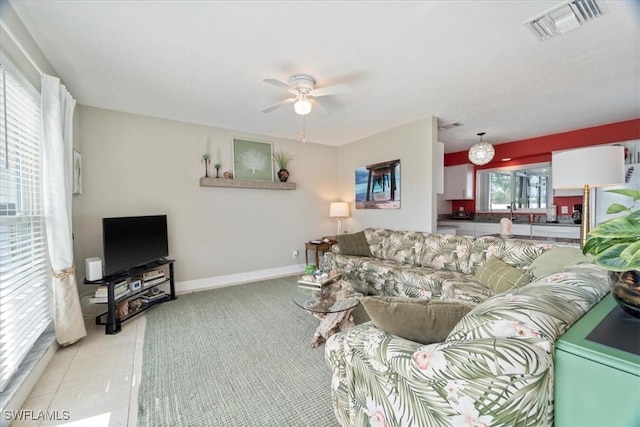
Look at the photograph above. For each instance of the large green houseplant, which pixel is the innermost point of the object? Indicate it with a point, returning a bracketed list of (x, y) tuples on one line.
[(615, 246)]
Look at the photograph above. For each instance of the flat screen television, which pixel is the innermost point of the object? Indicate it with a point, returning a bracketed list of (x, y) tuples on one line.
[(133, 241)]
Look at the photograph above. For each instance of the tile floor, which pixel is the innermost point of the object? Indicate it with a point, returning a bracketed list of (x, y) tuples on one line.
[(96, 380)]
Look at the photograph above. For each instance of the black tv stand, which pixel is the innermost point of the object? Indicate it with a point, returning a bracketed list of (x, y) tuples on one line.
[(110, 318)]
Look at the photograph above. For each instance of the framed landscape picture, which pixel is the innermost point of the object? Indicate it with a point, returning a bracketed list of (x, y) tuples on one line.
[(378, 185), (252, 160)]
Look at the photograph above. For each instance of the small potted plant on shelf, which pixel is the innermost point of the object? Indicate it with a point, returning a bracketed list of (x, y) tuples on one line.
[(615, 245), (206, 161), (281, 158), (217, 167)]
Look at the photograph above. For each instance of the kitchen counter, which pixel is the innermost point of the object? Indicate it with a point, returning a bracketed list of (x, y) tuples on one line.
[(538, 230), (556, 240), (480, 221)]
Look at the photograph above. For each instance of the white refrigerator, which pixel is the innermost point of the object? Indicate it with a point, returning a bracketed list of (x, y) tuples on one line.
[(603, 199)]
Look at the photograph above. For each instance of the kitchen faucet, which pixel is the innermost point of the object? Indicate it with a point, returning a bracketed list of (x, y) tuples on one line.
[(512, 207)]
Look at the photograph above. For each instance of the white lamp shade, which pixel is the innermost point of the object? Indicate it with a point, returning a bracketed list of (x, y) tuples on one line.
[(599, 166), (302, 107), (339, 210)]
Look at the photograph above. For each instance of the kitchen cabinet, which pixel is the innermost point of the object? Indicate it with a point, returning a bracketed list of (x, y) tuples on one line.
[(462, 228), (446, 230), (458, 182), (477, 229), (439, 153), (563, 231), (486, 228)]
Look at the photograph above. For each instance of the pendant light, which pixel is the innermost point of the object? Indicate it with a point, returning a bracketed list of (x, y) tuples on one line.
[(482, 152)]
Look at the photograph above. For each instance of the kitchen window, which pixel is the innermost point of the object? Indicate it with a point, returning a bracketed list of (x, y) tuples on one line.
[(525, 187)]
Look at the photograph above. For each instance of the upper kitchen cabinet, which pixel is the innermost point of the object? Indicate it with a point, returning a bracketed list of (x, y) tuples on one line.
[(439, 168), (458, 182)]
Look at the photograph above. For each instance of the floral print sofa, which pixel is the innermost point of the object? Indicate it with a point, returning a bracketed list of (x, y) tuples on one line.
[(424, 265), (494, 369)]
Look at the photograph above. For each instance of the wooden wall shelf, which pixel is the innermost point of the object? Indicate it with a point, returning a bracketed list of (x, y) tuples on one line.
[(241, 183)]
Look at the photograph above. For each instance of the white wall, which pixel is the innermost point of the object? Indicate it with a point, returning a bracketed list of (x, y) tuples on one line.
[(414, 145), (19, 46), (135, 165)]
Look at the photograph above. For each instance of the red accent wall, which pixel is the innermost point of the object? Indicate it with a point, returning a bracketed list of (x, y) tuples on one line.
[(535, 150)]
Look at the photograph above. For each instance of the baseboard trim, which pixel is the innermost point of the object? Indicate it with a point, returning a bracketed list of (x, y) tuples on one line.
[(204, 284)]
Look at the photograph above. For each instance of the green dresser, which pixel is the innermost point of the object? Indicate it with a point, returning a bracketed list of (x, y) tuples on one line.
[(598, 384)]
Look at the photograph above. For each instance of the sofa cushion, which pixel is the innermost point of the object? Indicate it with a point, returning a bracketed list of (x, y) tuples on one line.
[(420, 320), (464, 289), (377, 238), (500, 276), (517, 253), (354, 244), (418, 282), (543, 309), (403, 246), (446, 252), (556, 259)]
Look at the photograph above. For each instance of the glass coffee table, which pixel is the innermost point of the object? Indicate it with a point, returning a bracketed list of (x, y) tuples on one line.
[(332, 303)]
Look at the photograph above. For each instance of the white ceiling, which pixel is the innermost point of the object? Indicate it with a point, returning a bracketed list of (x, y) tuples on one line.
[(472, 62)]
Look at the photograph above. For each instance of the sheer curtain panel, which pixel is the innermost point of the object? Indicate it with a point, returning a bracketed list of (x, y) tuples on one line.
[(57, 167)]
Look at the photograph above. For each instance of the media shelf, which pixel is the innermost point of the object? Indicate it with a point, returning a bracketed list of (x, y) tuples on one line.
[(110, 318)]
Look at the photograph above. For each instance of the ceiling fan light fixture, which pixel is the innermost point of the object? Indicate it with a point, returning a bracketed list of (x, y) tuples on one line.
[(482, 152), (302, 106)]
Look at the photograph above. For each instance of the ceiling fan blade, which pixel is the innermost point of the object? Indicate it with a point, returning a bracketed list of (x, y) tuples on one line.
[(321, 106), (331, 90), (281, 85), (278, 105)]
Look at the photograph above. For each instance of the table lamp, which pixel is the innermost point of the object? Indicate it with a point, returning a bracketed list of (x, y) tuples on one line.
[(599, 166), (339, 210)]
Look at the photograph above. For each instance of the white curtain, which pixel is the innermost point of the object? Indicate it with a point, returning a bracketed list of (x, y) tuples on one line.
[(57, 169)]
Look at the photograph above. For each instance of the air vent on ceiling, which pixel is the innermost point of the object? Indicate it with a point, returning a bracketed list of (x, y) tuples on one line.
[(565, 17)]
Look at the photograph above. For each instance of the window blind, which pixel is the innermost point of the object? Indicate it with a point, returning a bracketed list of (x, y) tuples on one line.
[(25, 280)]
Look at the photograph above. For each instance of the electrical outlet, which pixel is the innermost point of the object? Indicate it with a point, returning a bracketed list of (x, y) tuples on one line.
[(294, 254)]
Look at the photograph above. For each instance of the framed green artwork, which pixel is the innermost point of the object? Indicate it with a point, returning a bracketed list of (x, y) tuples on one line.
[(252, 160)]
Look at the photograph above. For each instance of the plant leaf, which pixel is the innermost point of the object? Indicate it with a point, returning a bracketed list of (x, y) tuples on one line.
[(634, 216), (610, 259), (617, 208), (632, 253), (595, 245), (617, 228), (634, 194)]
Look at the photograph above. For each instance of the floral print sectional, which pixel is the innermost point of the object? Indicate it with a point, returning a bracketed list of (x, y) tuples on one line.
[(423, 265), (496, 366)]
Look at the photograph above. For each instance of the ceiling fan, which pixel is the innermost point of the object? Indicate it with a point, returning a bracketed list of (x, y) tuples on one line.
[(303, 87)]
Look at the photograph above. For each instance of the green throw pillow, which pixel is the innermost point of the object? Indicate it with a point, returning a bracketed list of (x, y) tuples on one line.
[(420, 320), (500, 276), (354, 244), (556, 259)]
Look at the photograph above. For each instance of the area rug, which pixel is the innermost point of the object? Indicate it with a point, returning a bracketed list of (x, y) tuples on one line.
[(235, 356)]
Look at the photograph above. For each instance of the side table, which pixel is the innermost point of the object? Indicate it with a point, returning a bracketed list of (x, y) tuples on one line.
[(598, 384), (316, 247), (332, 303)]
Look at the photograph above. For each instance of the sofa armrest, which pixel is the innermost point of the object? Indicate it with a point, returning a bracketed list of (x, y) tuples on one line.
[(495, 381)]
